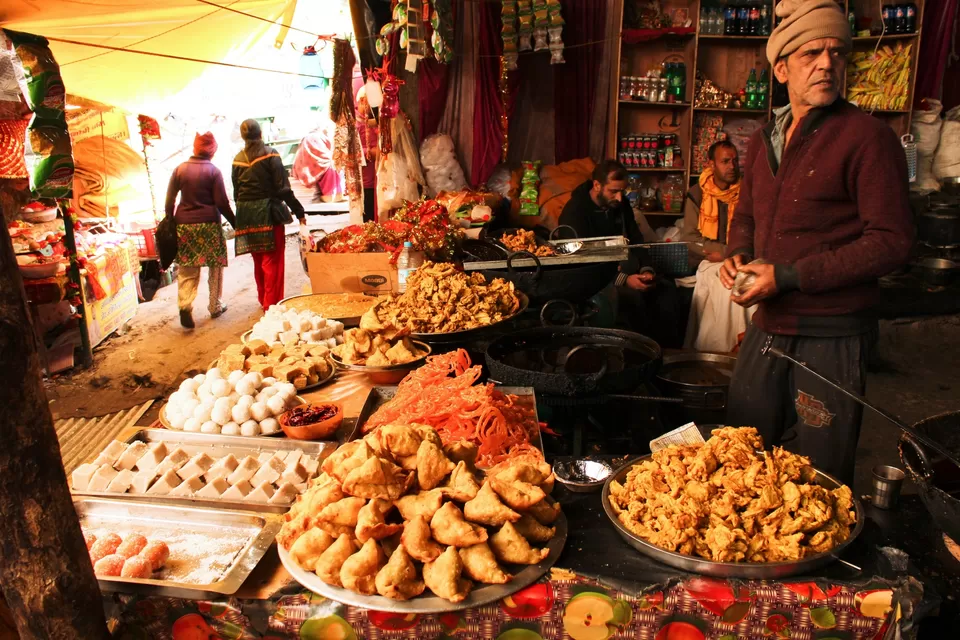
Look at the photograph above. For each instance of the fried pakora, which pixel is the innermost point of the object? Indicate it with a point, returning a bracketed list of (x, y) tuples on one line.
[(525, 240)]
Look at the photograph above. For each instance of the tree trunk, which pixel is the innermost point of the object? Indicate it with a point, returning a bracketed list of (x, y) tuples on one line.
[(45, 571)]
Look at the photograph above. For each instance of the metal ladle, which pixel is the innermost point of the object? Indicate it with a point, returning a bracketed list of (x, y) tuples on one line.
[(769, 350)]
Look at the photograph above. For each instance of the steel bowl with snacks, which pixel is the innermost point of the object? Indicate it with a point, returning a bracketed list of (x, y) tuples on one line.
[(750, 570), (390, 374)]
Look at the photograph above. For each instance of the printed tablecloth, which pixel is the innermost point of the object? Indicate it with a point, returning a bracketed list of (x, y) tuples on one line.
[(562, 605)]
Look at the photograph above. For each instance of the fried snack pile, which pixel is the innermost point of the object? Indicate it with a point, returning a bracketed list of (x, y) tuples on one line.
[(728, 502), (524, 240), (371, 349), (397, 513), (440, 299)]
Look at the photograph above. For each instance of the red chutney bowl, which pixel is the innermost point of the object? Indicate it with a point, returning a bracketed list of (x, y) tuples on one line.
[(318, 421)]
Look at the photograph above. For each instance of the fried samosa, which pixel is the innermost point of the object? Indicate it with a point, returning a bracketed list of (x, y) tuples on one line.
[(425, 503), (377, 478), (517, 495), (432, 465), (486, 508), (511, 547), (308, 548), (462, 451), (416, 538), (398, 578), (350, 456), (461, 486), (372, 523), (449, 527), (480, 564), (359, 571), (442, 576), (545, 512), (532, 530), (330, 562)]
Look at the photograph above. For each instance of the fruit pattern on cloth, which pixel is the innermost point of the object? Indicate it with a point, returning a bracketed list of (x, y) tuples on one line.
[(562, 605)]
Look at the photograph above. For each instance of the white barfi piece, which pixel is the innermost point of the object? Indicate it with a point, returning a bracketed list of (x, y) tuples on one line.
[(269, 472), (293, 457), (294, 474), (244, 471), (222, 467), (262, 493), (176, 459), (128, 459), (165, 484), (121, 482), (102, 478), (154, 455), (264, 457), (285, 494), (238, 491), (142, 480), (80, 478), (197, 466), (188, 487), (312, 465), (111, 453), (214, 489)]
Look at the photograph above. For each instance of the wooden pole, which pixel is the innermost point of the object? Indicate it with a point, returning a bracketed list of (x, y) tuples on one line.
[(45, 571)]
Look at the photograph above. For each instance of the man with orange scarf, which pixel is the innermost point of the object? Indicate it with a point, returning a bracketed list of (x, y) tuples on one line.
[(714, 323)]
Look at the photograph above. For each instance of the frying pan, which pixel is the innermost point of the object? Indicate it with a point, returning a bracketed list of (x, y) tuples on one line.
[(938, 490)]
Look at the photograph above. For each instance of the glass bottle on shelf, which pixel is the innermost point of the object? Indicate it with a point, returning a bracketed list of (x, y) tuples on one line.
[(763, 90), (662, 90), (718, 29), (751, 90), (730, 19), (764, 27)]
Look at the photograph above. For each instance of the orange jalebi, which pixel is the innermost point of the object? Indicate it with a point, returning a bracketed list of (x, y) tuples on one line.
[(443, 394)]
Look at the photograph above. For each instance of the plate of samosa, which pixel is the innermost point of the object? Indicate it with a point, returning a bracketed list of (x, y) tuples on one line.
[(398, 522)]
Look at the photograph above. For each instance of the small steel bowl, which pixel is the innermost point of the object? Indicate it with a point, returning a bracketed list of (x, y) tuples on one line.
[(581, 475)]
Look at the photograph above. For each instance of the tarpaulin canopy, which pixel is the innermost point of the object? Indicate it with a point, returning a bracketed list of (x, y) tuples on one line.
[(198, 29)]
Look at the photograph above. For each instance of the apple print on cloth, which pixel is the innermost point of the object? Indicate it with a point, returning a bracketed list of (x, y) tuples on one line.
[(562, 606)]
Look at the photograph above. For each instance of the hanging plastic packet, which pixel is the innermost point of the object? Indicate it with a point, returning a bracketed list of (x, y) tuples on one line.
[(400, 13), (525, 15), (554, 31), (508, 17)]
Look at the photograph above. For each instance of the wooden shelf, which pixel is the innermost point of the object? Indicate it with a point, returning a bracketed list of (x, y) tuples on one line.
[(671, 214), (656, 170), (722, 38), (759, 112), (889, 36), (662, 105)]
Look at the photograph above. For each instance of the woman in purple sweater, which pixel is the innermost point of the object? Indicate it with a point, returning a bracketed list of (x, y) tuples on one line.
[(200, 241)]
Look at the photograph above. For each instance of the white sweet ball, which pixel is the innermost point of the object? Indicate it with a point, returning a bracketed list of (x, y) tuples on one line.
[(286, 389), (200, 378), (210, 427), (186, 407), (189, 385), (204, 389), (230, 429), (206, 397), (250, 428), (246, 387), (266, 393), (214, 374), (176, 420), (269, 426), (241, 413), (269, 380), (223, 403), (220, 388), (259, 411), (235, 377), (221, 415), (191, 424), (202, 411), (244, 401), (177, 397), (277, 404), (255, 377)]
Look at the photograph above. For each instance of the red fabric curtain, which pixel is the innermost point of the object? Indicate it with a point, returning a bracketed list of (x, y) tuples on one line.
[(487, 135), (575, 82), (939, 21), (432, 83)]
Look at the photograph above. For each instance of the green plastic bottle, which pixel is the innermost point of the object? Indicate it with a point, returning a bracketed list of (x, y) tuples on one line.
[(763, 90), (752, 90)]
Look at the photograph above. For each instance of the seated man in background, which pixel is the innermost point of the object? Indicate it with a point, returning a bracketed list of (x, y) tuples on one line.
[(715, 323), (599, 208)]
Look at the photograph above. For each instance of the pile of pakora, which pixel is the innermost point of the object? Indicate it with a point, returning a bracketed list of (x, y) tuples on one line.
[(728, 501), (364, 348), (523, 240), (440, 299), (397, 513)]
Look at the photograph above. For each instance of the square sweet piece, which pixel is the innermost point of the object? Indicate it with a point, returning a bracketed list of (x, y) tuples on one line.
[(109, 455), (121, 482), (244, 471), (102, 478), (197, 466), (285, 494), (270, 472), (258, 347), (188, 487), (238, 491), (176, 459), (128, 459), (222, 467), (149, 461), (80, 478), (294, 474), (142, 481), (165, 484), (214, 489), (262, 493), (312, 465), (265, 457), (293, 457)]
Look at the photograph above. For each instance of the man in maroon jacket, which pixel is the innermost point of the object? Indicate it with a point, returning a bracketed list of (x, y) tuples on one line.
[(824, 204)]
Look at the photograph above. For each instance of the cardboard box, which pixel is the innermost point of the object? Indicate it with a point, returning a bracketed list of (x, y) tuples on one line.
[(367, 273)]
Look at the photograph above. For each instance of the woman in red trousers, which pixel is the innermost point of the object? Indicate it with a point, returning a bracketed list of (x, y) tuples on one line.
[(264, 200)]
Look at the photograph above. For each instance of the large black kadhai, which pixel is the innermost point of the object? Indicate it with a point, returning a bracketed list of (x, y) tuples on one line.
[(937, 477), (574, 361)]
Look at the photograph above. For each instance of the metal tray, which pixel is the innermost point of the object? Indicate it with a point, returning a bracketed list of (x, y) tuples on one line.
[(309, 387), (427, 602), (591, 251), (243, 536), (751, 570), (348, 321), (379, 396), (240, 446), (162, 417)]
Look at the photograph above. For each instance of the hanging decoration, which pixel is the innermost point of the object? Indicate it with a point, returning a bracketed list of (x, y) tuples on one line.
[(530, 189), (441, 20), (504, 107), (508, 18), (541, 20), (525, 14), (554, 30), (397, 25), (346, 143), (709, 96)]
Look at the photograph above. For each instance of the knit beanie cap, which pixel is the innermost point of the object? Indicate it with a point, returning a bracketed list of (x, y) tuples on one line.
[(803, 21), (204, 145)]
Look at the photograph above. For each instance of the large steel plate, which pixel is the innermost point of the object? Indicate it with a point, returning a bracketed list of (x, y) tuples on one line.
[(751, 570), (427, 602)]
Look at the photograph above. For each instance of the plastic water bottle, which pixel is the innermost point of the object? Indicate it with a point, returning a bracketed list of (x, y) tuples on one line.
[(408, 262)]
